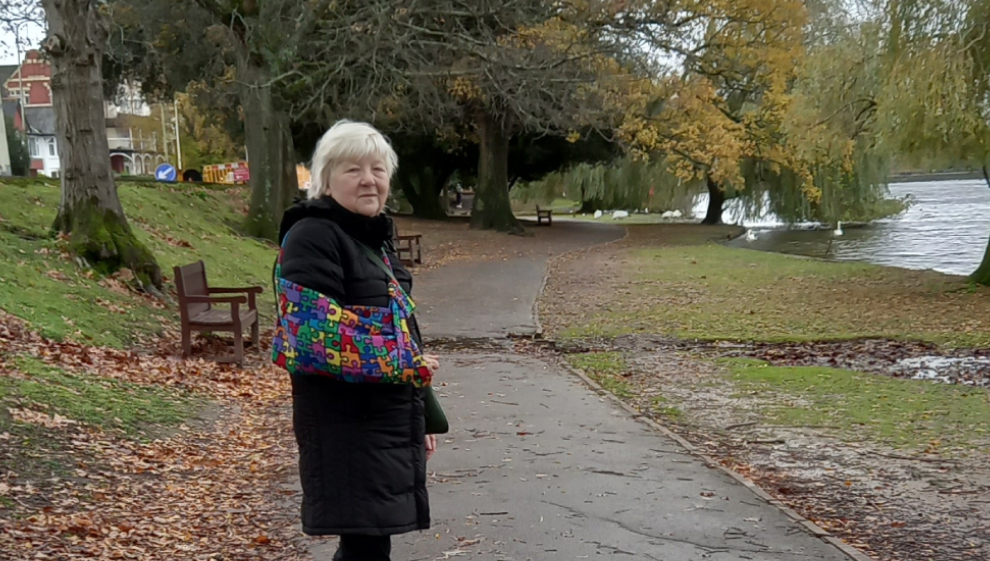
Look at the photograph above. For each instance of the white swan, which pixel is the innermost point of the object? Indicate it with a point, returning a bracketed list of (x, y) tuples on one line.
[(838, 230), (620, 214), (750, 236), (598, 214)]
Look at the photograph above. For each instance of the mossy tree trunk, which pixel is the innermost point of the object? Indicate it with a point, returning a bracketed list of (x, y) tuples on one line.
[(89, 211), (271, 155), (716, 199), (492, 209)]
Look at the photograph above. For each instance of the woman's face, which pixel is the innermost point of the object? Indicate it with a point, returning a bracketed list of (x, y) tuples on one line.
[(360, 186)]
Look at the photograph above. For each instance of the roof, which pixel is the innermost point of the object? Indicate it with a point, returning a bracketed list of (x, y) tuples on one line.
[(40, 120), (10, 108)]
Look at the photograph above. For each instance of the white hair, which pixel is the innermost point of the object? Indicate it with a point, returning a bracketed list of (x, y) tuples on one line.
[(347, 140)]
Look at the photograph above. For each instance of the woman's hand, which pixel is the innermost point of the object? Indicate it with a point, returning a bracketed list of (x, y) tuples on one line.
[(432, 362), (431, 446)]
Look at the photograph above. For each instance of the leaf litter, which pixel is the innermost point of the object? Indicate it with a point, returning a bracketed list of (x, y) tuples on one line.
[(209, 491)]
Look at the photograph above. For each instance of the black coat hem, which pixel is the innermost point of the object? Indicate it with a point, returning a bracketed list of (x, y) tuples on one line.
[(365, 531)]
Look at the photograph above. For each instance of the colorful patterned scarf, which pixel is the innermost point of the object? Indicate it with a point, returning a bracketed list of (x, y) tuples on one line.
[(316, 335)]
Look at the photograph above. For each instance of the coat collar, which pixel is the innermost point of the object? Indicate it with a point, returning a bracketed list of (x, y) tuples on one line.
[(374, 232)]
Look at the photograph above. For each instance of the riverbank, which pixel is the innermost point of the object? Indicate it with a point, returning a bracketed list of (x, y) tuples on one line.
[(936, 176), (782, 368)]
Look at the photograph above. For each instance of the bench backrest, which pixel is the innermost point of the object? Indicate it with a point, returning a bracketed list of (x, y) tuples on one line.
[(190, 280)]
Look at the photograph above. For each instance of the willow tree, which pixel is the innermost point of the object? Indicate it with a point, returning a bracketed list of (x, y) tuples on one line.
[(728, 103), (625, 183), (89, 211), (933, 104), (977, 38)]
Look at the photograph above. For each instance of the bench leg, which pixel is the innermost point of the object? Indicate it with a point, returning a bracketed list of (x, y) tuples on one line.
[(239, 346), (186, 343), (255, 336)]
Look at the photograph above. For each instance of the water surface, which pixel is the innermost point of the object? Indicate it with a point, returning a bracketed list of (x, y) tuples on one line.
[(946, 229)]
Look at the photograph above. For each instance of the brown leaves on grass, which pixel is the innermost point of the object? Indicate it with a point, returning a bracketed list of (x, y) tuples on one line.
[(213, 490)]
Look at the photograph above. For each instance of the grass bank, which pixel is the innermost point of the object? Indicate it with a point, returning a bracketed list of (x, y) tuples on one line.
[(912, 414), (179, 223), (670, 282), (43, 405)]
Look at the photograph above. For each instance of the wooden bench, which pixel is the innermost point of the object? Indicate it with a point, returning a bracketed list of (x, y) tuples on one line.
[(544, 213), (196, 300), (409, 248)]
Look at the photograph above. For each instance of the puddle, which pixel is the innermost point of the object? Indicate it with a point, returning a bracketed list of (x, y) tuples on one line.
[(899, 359), (970, 371)]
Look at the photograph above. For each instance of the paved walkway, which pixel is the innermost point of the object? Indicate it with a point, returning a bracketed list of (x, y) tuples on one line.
[(489, 299), (538, 466)]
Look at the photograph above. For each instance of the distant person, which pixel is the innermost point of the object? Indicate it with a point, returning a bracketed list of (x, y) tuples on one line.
[(358, 399), (192, 176)]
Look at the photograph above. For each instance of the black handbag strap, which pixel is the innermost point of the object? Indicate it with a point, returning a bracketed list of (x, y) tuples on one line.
[(377, 260)]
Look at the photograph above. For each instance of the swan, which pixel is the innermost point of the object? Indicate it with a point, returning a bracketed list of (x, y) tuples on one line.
[(838, 230), (598, 214), (750, 236), (619, 214)]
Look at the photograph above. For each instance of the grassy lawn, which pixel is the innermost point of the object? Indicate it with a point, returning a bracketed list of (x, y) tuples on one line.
[(180, 224), (103, 403), (708, 291), (606, 368), (558, 205), (911, 414), (42, 407)]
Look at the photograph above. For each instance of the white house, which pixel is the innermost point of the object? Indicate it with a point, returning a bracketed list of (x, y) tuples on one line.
[(41, 141)]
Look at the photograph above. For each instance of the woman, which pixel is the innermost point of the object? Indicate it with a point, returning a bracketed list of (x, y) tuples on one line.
[(362, 442)]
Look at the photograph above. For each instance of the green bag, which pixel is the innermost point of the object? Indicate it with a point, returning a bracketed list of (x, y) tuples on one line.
[(436, 419)]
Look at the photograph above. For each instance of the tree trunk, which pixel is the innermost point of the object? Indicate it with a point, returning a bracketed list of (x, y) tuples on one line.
[(982, 274), (716, 198), (270, 152), (492, 209), (89, 211), (423, 188)]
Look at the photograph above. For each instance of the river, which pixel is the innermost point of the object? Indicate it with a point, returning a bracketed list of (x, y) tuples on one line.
[(945, 229)]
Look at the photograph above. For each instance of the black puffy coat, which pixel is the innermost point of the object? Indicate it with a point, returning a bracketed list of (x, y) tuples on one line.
[(362, 457)]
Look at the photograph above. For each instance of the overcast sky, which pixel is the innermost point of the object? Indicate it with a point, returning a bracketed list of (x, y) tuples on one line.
[(8, 54)]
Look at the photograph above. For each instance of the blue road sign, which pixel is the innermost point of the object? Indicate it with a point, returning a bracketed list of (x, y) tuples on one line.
[(166, 173)]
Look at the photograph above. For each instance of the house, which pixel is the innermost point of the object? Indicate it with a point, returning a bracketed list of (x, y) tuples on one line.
[(42, 145), (27, 100)]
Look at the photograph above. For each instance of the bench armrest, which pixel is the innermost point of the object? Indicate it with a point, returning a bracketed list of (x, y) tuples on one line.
[(237, 290), (215, 299)]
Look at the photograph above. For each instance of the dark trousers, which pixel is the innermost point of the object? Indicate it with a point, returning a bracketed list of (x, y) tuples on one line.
[(364, 548)]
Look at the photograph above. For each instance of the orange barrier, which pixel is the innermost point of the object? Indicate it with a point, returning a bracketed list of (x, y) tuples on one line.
[(238, 173)]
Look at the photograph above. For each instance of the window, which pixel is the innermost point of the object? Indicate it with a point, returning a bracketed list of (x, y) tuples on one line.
[(54, 175), (34, 147), (51, 147)]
